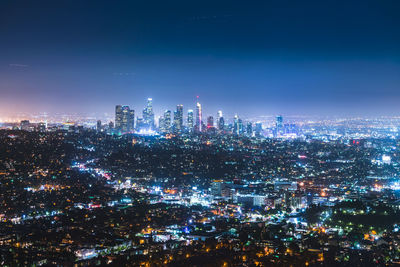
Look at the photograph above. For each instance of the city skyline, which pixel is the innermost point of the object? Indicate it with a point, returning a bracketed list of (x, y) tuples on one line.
[(157, 112)]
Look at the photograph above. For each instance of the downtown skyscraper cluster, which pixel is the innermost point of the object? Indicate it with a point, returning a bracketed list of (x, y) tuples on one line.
[(195, 122), (125, 119)]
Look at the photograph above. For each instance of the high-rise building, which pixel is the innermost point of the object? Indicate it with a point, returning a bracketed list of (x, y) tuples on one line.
[(279, 121), (131, 121), (167, 120), (190, 120), (236, 127), (199, 121), (124, 119), (279, 125), (98, 126), (178, 118), (258, 130), (249, 129), (118, 117), (241, 129), (220, 122), (161, 124), (210, 122), (148, 114)]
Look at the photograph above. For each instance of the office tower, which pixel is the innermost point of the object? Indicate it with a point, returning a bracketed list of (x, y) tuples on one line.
[(258, 129), (199, 122), (98, 126), (124, 119), (210, 122), (249, 129), (131, 123), (110, 125), (279, 121), (167, 120), (241, 129), (118, 117), (175, 125), (220, 122), (148, 114), (236, 125), (190, 120), (128, 119), (279, 125), (161, 124), (178, 118)]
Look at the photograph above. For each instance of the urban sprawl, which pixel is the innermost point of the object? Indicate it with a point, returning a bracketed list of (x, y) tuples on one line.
[(195, 190)]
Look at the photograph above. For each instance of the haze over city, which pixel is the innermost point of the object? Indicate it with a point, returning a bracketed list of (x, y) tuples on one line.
[(258, 58)]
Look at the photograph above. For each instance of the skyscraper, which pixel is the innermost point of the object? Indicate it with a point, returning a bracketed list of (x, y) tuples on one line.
[(161, 124), (124, 119), (118, 117), (199, 121), (236, 126), (178, 118), (258, 129), (220, 122), (131, 120), (279, 125), (167, 120), (148, 114), (210, 122), (241, 129), (249, 129), (98, 126), (190, 120)]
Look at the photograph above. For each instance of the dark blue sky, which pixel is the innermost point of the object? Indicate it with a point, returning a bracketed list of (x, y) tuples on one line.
[(246, 57)]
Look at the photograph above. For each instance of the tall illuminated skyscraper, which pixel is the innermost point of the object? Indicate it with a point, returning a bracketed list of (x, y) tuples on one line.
[(167, 120), (258, 131), (190, 120), (199, 120), (98, 126), (279, 125), (131, 120), (161, 124), (220, 121), (236, 125), (210, 122), (249, 129), (148, 114), (118, 117), (124, 119), (178, 118)]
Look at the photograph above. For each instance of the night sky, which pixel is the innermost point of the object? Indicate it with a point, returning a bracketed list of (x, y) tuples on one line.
[(245, 57)]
